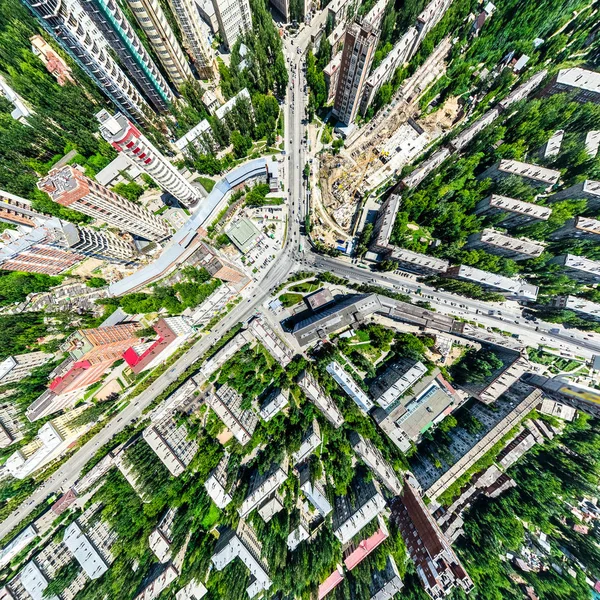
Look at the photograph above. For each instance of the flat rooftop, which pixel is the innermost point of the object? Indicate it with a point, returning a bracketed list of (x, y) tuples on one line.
[(529, 171), (515, 206), (499, 282), (580, 78), (243, 233)]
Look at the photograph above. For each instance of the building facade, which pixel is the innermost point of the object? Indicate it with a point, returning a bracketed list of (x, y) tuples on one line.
[(234, 18)]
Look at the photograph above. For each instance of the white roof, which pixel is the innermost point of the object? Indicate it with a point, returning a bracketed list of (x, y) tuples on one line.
[(592, 142), (506, 284), (580, 78)]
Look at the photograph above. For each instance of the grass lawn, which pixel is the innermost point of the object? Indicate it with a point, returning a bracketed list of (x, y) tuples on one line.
[(207, 183), (305, 288), (211, 517), (290, 299)]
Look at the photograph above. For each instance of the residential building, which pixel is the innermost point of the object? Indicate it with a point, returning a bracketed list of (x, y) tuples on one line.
[(360, 42), (110, 19), (355, 553), (171, 445), (512, 288), (384, 225), (311, 439), (347, 383), (265, 334), (18, 211), (468, 134), (592, 143), (504, 245), (21, 112), (357, 509), (69, 24), (372, 457), (552, 147), (71, 188), (194, 590), (331, 582), (421, 264), (11, 428), (431, 16), (161, 538), (318, 299), (225, 353), (218, 266), (348, 311), (314, 491), (580, 306), (262, 486), (152, 19), (516, 448), (55, 64), (587, 190), (171, 334), (317, 396), (385, 584), (227, 404), (282, 7), (375, 15), (436, 564), (158, 580), (557, 410), (195, 39), (125, 137), (523, 90), (533, 174), (578, 267), (413, 408), (84, 550), (331, 72), (582, 83), (234, 19), (212, 306), (17, 367), (513, 212), (274, 403), (217, 485), (581, 228), (16, 544), (243, 544), (427, 166)]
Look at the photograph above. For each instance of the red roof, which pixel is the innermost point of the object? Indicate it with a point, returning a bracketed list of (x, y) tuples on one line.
[(59, 383), (138, 362), (59, 507), (331, 582), (365, 548)]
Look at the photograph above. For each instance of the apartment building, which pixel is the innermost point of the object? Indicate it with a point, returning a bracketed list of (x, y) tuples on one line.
[(265, 334), (372, 457), (414, 407), (533, 174), (437, 565), (85, 548), (355, 552), (331, 72), (468, 134), (513, 213), (360, 42), (427, 166), (384, 225), (309, 385), (587, 190), (125, 137), (314, 491), (580, 306), (234, 18), (348, 311), (225, 353), (263, 486), (578, 267), (512, 287), (385, 584), (523, 90), (217, 485), (358, 508), (70, 25), (19, 211), (158, 579), (504, 245), (227, 404), (311, 439), (582, 83), (161, 538), (71, 188), (347, 383), (420, 264), (171, 445), (592, 143), (17, 367), (11, 428), (579, 228), (243, 544), (274, 403)]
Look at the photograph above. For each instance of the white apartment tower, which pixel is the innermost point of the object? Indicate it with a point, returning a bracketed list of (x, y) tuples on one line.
[(70, 187), (153, 21), (194, 39), (234, 19), (126, 137), (72, 28)]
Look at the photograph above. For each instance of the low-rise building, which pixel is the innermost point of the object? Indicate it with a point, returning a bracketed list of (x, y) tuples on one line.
[(331, 582), (170, 444), (397, 379), (310, 442), (161, 538), (244, 545), (357, 509), (350, 310), (588, 190), (584, 84), (347, 383), (436, 564), (580, 228), (274, 403), (158, 580), (16, 544), (317, 396), (314, 491), (372, 457), (226, 352), (504, 245), (514, 212), (516, 448), (244, 235), (580, 306), (265, 334), (421, 264), (227, 404), (356, 552), (578, 267), (533, 174), (218, 486), (385, 584), (512, 288), (262, 486), (194, 590), (557, 410), (415, 407)]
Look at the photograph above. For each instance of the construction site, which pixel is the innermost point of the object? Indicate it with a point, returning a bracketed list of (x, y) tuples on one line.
[(374, 153)]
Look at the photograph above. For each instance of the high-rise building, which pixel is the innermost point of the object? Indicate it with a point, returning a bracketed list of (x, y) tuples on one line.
[(68, 23), (360, 42), (125, 137), (152, 19), (70, 187), (194, 38), (234, 19), (112, 22)]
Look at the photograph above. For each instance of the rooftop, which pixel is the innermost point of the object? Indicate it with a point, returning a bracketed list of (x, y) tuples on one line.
[(579, 78)]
